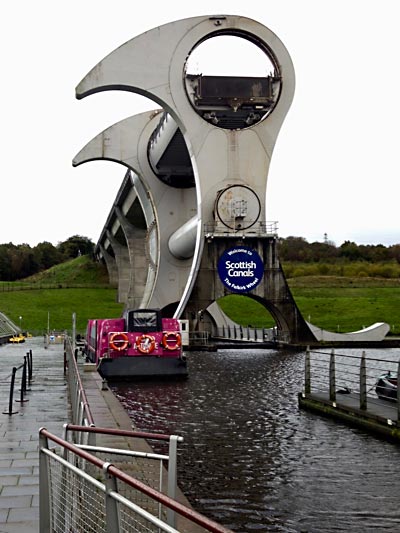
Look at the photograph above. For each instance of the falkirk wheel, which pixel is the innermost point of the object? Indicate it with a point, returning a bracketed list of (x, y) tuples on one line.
[(188, 225)]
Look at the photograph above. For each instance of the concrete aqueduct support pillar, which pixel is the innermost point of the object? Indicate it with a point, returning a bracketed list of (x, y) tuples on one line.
[(229, 126)]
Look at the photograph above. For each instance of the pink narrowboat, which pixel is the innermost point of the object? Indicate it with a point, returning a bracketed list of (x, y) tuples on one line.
[(141, 344)]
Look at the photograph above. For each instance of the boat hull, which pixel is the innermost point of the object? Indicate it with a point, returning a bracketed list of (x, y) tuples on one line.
[(386, 388), (138, 367)]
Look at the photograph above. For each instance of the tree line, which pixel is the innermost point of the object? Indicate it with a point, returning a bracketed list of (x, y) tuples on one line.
[(21, 261), (297, 249)]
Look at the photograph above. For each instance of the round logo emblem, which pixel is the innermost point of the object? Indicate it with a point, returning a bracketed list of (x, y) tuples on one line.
[(240, 269)]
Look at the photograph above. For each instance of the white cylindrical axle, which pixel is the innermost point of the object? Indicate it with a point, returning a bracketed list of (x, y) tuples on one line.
[(182, 242)]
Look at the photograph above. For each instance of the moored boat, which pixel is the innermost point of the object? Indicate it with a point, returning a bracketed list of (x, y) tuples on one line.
[(141, 344), (386, 387)]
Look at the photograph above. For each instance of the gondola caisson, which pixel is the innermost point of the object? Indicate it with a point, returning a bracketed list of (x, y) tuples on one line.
[(141, 344)]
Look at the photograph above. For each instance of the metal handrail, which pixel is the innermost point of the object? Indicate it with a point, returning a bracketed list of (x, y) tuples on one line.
[(333, 372), (120, 432), (172, 457), (264, 228), (80, 405), (112, 474)]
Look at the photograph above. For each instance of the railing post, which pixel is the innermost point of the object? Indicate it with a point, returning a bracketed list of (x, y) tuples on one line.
[(172, 476), (10, 400), (112, 518), (398, 391), (332, 377), (92, 437), (65, 356), (61, 516), (76, 417), (45, 511), (31, 365), (307, 378), (23, 383), (363, 382)]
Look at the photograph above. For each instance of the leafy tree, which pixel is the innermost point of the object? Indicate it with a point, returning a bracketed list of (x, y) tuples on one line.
[(323, 251), (294, 249), (350, 250), (47, 255), (75, 246), (6, 273), (23, 261), (395, 252)]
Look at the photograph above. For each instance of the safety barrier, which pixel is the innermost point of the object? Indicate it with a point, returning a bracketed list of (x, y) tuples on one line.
[(158, 470), (199, 338), (342, 374), (81, 413), (262, 228), (91, 497), (237, 332), (26, 375)]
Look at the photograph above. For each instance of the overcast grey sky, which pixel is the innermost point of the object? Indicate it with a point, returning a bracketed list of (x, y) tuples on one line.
[(335, 168)]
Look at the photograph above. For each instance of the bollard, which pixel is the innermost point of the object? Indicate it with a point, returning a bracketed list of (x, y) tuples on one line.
[(29, 361), (31, 367), (23, 383), (25, 371), (10, 403)]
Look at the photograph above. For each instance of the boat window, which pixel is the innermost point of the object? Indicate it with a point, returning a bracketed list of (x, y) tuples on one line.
[(144, 320)]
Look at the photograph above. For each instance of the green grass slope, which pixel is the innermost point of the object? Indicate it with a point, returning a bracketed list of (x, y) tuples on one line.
[(81, 286), (51, 297), (81, 270), (333, 303)]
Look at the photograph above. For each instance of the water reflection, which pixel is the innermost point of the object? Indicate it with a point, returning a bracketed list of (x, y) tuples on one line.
[(252, 461)]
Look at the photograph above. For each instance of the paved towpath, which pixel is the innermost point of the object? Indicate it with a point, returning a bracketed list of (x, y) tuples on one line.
[(48, 407)]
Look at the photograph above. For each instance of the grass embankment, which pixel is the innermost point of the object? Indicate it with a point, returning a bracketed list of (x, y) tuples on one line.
[(41, 299), (329, 302), (334, 303)]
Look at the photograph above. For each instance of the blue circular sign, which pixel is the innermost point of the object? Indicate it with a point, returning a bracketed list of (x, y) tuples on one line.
[(240, 269)]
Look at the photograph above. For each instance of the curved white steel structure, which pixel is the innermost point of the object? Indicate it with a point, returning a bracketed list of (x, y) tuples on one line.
[(153, 64)]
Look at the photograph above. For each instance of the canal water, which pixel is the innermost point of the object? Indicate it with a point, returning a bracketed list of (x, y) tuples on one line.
[(254, 462)]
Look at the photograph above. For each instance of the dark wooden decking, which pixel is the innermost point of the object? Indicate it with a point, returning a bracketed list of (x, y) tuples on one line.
[(380, 416)]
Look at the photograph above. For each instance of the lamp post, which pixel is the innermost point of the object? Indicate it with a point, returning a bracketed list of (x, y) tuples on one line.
[(20, 323)]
